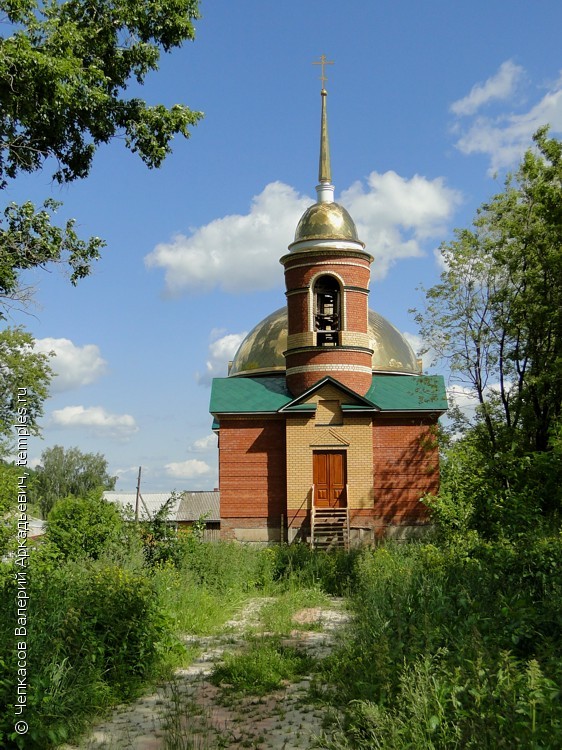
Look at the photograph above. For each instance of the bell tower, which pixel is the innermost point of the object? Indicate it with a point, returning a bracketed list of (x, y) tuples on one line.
[(327, 273)]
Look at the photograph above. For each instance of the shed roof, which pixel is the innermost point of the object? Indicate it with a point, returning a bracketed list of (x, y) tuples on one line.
[(195, 505), (189, 506), (151, 501)]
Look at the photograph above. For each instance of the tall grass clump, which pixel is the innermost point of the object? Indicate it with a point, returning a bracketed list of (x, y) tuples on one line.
[(96, 633), (261, 668), (210, 582), (299, 566), (453, 648)]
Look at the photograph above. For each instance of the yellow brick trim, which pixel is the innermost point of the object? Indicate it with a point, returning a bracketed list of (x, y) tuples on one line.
[(301, 437)]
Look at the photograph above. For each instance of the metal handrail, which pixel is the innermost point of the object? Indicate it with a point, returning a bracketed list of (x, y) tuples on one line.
[(312, 517), (347, 516)]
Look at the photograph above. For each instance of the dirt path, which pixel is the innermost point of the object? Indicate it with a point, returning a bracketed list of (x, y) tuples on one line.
[(190, 712)]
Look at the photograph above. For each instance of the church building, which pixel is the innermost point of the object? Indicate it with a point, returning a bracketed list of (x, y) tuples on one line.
[(326, 423)]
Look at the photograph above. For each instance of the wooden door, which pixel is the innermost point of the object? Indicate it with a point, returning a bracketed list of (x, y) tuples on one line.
[(329, 476)]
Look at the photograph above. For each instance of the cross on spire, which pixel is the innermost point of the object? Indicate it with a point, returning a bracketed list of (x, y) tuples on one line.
[(323, 62)]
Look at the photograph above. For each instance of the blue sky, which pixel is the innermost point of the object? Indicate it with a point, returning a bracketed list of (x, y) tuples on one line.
[(429, 105)]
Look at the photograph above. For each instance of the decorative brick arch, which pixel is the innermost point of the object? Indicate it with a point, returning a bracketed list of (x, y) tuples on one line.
[(311, 301)]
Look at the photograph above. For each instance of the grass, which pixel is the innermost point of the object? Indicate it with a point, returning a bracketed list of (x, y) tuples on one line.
[(194, 608), (452, 648), (187, 725), (277, 617), (264, 665)]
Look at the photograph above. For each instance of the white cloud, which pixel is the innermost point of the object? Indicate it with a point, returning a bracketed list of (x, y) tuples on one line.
[(73, 365), (188, 469), (500, 86), (221, 350), (505, 137), (205, 443), (96, 419), (235, 253), (395, 215), (463, 397), (132, 470)]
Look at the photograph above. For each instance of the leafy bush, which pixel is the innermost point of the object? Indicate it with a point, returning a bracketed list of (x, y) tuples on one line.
[(96, 632), (297, 564), (84, 527), (455, 647), (485, 705)]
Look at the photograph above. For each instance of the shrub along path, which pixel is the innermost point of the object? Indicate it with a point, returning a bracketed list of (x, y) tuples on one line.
[(248, 688)]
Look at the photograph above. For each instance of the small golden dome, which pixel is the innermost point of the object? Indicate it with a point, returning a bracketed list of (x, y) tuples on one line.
[(261, 352), (326, 221)]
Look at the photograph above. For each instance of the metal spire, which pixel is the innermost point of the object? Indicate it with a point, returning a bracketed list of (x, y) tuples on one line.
[(324, 168), (325, 189)]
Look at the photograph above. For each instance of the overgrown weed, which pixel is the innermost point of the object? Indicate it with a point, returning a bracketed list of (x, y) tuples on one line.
[(455, 647), (263, 666), (277, 617)]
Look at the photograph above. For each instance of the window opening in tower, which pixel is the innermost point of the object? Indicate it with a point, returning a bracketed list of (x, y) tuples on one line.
[(327, 313)]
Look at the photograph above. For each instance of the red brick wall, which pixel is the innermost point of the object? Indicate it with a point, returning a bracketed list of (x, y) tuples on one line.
[(357, 381), (355, 271), (356, 311), (405, 467), (297, 307), (252, 470), (338, 357), (252, 473)]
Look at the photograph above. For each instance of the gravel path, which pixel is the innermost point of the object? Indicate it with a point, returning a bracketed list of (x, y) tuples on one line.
[(189, 712)]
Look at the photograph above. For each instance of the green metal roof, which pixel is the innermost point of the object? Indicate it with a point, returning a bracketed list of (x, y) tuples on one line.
[(408, 393), (251, 395), (248, 395)]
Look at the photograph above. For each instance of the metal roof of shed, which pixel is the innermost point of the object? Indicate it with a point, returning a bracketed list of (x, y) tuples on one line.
[(152, 500), (195, 505), (188, 506)]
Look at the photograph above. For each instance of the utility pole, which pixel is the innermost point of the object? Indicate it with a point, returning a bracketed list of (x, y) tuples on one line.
[(138, 496)]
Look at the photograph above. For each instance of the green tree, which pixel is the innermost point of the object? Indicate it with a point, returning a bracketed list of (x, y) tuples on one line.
[(64, 71), (70, 472), (8, 499), (29, 239), (496, 319), (84, 526), (24, 379)]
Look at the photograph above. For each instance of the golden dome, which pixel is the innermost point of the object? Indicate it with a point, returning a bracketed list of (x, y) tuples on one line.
[(326, 221), (261, 352)]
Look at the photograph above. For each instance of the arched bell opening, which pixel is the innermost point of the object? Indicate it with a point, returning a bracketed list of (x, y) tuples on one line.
[(327, 311)]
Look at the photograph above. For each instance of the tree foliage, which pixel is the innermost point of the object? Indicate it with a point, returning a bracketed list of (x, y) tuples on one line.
[(496, 316), (8, 498), (64, 71), (496, 319), (29, 239), (70, 472), (24, 379), (84, 526), (64, 68)]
